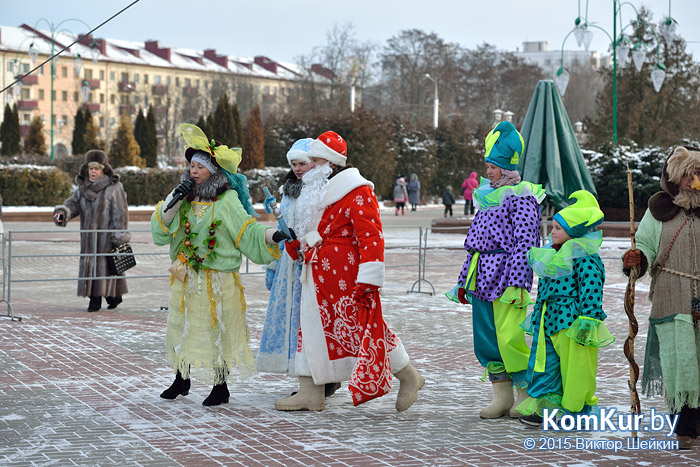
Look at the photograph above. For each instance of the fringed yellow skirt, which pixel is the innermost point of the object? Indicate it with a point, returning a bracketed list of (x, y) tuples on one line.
[(207, 332)]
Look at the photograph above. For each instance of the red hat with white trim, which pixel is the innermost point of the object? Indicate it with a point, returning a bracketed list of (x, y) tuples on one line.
[(330, 146)]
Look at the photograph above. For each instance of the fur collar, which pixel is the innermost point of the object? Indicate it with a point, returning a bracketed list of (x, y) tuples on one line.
[(343, 182), (292, 185), (663, 209), (85, 180), (210, 189)]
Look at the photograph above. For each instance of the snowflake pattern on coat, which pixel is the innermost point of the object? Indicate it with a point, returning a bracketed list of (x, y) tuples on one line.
[(353, 326)]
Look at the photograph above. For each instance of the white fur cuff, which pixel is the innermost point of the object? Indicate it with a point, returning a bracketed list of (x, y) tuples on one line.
[(312, 238), (371, 273)]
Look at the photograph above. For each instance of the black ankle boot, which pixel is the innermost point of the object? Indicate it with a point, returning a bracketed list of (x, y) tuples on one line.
[(180, 387), (95, 304), (330, 389), (219, 394), (113, 302)]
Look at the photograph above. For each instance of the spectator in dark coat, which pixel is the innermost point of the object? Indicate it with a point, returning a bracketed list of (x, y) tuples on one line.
[(413, 192), (448, 199)]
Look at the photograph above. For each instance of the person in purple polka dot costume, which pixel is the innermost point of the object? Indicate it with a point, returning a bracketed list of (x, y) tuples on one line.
[(496, 278)]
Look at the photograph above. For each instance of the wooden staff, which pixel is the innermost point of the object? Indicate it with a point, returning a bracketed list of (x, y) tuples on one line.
[(629, 309)]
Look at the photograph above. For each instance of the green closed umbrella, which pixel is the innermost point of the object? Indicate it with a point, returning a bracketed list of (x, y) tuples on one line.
[(552, 156)]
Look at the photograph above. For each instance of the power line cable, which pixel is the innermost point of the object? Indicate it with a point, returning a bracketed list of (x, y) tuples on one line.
[(68, 46)]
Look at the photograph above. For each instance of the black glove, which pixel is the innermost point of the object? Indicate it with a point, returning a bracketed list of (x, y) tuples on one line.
[(280, 235), (184, 188), (180, 192)]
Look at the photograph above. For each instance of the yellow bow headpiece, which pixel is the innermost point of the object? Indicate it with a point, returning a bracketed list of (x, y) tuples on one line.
[(227, 158)]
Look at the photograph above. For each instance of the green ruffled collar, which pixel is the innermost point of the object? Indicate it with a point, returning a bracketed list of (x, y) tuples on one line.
[(548, 262), (489, 198)]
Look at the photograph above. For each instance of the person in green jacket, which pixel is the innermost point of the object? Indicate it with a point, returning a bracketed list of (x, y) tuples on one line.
[(668, 245), (208, 223)]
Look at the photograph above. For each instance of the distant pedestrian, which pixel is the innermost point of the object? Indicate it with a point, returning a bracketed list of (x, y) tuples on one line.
[(100, 201), (448, 199), (414, 192), (468, 186), (400, 195)]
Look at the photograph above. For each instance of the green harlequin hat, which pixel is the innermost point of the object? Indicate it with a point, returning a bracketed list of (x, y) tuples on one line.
[(504, 145), (582, 216)]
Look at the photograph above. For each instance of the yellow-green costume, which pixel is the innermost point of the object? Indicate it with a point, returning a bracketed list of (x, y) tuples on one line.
[(206, 320)]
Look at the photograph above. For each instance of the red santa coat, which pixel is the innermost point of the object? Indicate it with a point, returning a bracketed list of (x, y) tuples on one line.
[(343, 335)]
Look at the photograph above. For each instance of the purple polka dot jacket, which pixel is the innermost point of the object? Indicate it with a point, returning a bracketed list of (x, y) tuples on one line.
[(507, 232)]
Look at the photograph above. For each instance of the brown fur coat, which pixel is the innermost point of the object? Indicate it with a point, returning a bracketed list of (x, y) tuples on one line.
[(101, 205)]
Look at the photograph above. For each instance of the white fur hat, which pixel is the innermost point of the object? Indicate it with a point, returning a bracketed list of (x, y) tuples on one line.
[(299, 151)]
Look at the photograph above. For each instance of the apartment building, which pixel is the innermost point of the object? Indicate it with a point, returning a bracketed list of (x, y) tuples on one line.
[(114, 77)]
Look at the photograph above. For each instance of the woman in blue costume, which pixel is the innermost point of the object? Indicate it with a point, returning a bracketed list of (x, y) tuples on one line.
[(496, 278), (567, 321), (278, 344)]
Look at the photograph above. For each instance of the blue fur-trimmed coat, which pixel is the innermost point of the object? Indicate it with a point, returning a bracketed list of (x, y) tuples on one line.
[(278, 344)]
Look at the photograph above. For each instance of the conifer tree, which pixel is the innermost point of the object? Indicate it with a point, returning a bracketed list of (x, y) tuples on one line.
[(139, 128), (202, 124), (149, 150), (222, 124), (237, 125), (91, 139), (78, 143), (209, 128), (9, 131), (254, 143), (124, 149), (145, 138), (34, 142)]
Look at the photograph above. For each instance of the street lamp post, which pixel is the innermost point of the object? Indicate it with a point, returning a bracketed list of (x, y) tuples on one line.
[(77, 62), (435, 101), (584, 35)]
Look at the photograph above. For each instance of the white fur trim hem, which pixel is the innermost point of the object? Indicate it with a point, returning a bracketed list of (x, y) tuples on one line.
[(319, 149), (313, 343), (398, 358), (371, 273)]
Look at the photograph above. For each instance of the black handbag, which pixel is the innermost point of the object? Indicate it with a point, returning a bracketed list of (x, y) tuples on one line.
[(122, 260)]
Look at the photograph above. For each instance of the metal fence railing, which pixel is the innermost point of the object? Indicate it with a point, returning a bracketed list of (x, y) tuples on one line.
[(417, 240)]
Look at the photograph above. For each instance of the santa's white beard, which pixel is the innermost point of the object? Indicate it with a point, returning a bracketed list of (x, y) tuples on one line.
[(308, 209)]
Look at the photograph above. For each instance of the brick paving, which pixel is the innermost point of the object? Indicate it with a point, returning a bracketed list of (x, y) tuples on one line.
[(83, 389)]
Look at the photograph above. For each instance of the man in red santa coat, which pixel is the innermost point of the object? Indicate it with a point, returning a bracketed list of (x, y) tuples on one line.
[(343, 336)]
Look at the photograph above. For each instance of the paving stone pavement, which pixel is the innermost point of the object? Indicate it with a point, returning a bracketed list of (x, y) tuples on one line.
[(80, 388)]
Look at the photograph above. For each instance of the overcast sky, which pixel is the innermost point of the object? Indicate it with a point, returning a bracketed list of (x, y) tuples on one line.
[(286, 29)]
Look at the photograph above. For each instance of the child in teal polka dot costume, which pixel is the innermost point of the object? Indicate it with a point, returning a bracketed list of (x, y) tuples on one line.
[(567, 320)]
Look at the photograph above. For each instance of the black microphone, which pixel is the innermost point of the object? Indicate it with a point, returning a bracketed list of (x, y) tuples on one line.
[(181, 191)]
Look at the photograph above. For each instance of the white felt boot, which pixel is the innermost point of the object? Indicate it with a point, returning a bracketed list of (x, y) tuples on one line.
[(309, 397), (502, 401), (411, 382), (522, 395)]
